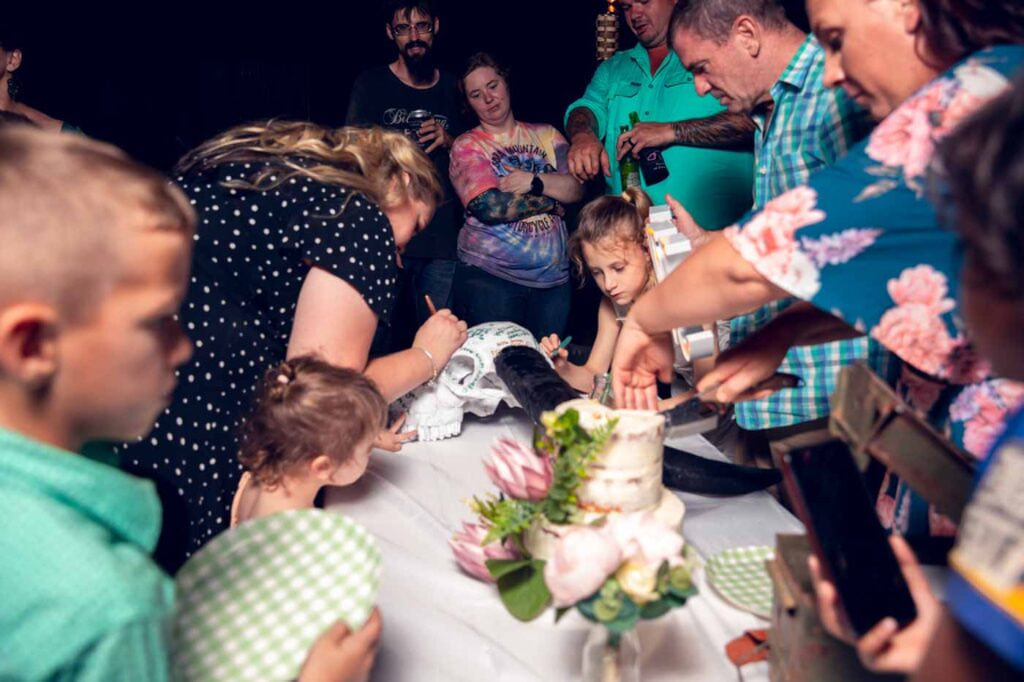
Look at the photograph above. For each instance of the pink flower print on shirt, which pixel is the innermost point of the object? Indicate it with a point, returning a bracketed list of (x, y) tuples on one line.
[(916, 335), (768, 241), (914, 329), (922, 285), (965, 366), (904, 138), (982, 409)]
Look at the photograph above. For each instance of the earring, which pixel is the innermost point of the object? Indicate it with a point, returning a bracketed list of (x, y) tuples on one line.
[(12, 87)]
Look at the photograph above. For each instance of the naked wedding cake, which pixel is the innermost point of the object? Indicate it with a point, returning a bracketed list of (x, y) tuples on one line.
[(625, 475)]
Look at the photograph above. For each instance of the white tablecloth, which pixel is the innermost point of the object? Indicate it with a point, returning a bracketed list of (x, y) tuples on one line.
[(440, 624)]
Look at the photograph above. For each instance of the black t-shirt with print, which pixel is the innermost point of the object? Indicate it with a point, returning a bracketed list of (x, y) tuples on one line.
[(379, 98)]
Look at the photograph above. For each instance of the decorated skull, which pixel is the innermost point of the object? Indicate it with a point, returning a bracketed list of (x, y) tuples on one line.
[(468, 383)]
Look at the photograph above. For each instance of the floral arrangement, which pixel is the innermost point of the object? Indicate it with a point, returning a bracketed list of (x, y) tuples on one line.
[(614, 571)]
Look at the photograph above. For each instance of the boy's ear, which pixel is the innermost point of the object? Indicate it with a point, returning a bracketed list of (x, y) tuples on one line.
[(28, 343)]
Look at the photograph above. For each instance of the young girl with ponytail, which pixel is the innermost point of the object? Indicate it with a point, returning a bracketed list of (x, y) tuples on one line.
[(611, 246), (314, 424)]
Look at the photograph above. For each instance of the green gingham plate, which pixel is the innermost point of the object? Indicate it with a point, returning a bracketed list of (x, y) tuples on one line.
[(253, 600), (740, 577)]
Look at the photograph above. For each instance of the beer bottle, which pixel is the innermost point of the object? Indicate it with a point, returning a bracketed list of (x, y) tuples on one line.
[(628, 169), (652, 163)]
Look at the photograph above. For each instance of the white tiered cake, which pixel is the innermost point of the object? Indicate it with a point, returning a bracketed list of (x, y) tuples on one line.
[(624, 477)]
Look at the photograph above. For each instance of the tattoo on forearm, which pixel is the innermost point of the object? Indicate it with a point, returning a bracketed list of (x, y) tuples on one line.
[(494, 206), (721, 131), (581, 120)]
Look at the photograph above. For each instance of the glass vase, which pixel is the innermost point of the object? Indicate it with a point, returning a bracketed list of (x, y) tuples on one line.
[(608, 657)]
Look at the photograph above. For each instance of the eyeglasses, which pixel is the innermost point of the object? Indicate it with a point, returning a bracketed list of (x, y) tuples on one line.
[(421, 27)]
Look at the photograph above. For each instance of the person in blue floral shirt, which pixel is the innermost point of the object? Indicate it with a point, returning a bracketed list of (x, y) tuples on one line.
[(860, 243), (979, 633)]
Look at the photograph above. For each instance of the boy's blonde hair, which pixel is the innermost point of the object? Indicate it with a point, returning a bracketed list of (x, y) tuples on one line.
[(365, 160), (305, 408), (65, 202), (620, 217)]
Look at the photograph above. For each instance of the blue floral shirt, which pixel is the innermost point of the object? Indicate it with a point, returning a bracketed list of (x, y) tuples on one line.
[(862, 241)]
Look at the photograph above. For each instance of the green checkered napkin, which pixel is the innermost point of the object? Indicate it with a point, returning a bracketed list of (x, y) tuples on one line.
[(253, 601), (740, 576)]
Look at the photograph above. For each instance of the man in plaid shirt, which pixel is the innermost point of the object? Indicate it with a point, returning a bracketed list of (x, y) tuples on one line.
[(749, 56)]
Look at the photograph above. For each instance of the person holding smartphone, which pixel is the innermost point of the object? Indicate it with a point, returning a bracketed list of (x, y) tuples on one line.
[(979, 633)]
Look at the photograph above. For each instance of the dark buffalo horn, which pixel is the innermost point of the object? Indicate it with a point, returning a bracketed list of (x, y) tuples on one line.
[(532, 381), (690, 473)]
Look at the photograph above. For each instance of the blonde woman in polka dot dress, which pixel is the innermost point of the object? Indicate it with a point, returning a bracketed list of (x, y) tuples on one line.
[(300, 234)]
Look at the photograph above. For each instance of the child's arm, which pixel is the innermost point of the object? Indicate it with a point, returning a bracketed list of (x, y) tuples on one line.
[(582, 377)]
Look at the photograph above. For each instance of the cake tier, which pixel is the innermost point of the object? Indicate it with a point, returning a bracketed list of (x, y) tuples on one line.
[(540, 538), (625, 475)]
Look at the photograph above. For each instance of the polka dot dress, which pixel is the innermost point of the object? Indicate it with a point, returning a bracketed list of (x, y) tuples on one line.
[(253, 250)]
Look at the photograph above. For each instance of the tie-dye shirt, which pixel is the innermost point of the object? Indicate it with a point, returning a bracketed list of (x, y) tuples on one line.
[(531, 251)]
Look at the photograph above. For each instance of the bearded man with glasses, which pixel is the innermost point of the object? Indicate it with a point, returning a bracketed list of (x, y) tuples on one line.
[(413, 96)]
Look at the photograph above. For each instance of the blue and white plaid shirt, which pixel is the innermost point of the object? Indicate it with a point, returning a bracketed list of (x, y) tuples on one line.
[(807, 128)]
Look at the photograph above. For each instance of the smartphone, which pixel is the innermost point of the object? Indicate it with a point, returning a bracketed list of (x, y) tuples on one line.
[(852, 548)]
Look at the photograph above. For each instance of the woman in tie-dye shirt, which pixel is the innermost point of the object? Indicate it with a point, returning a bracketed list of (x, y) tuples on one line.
[(513, 179)]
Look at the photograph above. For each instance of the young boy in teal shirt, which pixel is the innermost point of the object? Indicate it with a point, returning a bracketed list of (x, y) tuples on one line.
[(94, 265)]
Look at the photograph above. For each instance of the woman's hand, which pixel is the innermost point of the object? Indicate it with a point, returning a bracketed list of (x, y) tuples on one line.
[(441, 335), (639, 361), (516, 181), (685, 224), (433, 132), (741, 367), (342, 656), (885, 648), (549, 345), (392, 438)]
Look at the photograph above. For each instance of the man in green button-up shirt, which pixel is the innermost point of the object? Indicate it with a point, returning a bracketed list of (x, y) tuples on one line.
[(705, 147)]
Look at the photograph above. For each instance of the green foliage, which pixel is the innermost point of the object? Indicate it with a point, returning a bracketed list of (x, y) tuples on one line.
[(618, 614), (573, 449), (505, 516), (521, 586)]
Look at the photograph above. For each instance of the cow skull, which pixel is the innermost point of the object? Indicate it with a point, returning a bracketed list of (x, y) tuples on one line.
[(468, 383)]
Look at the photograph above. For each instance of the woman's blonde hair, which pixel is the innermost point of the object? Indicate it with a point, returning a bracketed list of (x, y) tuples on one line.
[(386, 167), (621, 217)]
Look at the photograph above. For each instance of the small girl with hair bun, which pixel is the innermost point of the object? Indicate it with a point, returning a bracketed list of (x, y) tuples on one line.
[(314, 424), (611, 245)]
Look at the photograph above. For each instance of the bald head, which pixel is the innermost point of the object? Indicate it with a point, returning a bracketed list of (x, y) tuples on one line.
[(67, 204)]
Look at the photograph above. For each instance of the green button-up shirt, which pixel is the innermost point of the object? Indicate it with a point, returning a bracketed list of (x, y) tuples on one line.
[(80, 598), (715, 186)]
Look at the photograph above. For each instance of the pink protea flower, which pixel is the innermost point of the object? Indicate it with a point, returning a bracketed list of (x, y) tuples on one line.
[(471, 554), (518, 471)]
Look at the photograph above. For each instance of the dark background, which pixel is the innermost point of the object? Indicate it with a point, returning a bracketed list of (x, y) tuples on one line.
[(158, 78), (158, 81)]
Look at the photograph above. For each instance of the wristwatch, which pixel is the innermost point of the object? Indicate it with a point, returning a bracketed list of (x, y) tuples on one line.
[(536, 186)]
